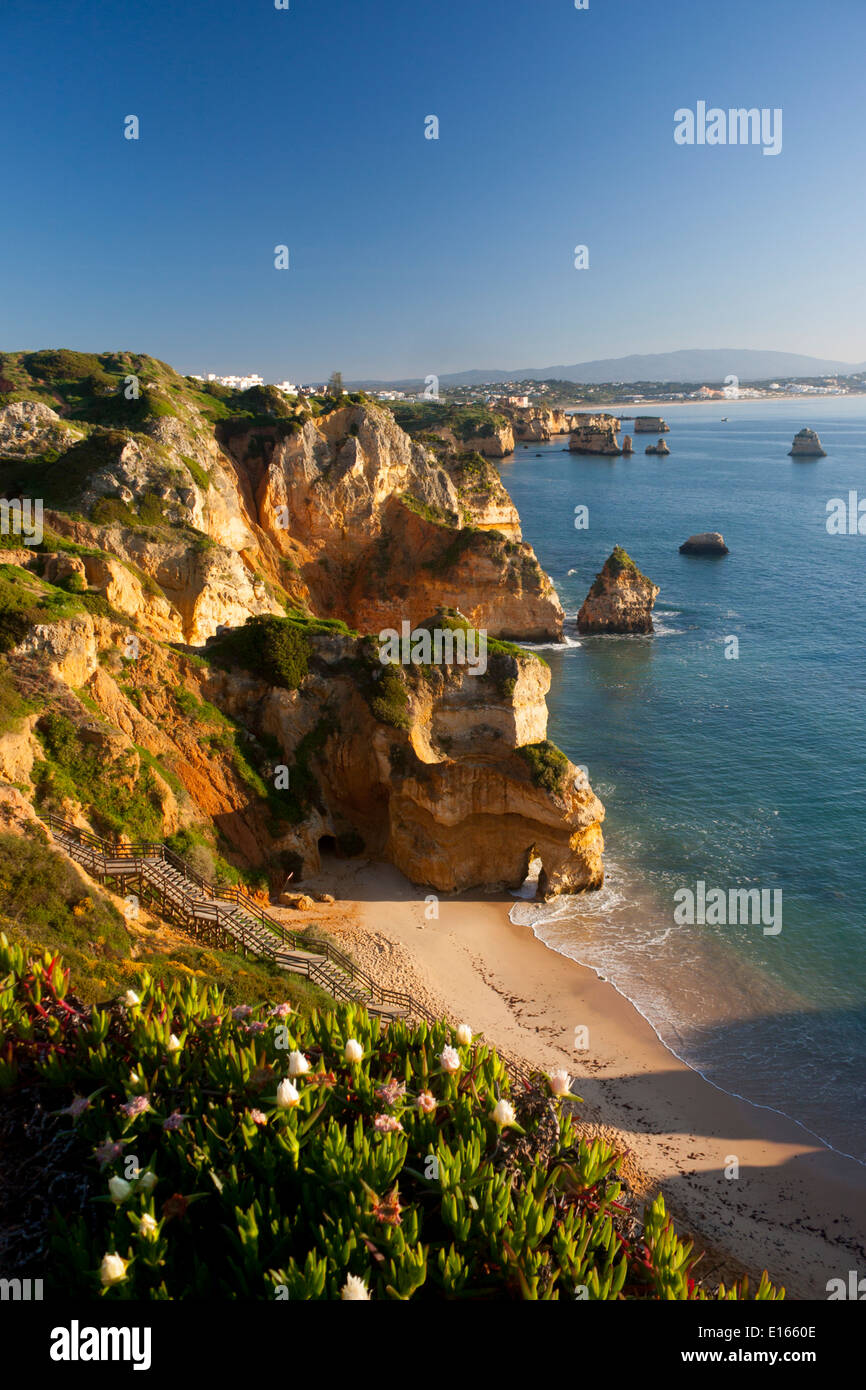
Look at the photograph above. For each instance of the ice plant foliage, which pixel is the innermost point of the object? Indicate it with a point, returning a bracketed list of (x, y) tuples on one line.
[(395, 1168)]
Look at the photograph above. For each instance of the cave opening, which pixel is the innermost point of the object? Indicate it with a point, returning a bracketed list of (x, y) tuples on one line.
[(327, 845), (533, 870)]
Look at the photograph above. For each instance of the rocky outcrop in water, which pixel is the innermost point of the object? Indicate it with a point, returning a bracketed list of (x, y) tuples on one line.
[(594, 434), (620, 600), (660, 448), (705, 543), (650, 424), (806, 445)]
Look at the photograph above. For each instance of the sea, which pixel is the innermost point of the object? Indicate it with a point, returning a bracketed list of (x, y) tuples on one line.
[(732, 764)]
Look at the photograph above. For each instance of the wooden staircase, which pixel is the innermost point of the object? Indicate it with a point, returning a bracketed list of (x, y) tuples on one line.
[(227, 917)]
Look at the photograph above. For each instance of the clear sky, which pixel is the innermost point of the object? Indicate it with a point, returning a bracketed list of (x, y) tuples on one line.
[(411, 256)]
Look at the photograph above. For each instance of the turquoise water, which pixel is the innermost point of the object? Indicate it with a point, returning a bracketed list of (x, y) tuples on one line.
[(746, 773)]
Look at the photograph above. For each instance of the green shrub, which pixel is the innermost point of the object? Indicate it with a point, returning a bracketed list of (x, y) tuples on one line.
[(390, 703), (274, 648), (244, 1185), (114, 799), (13, 705), (548, 765), (62, 364)]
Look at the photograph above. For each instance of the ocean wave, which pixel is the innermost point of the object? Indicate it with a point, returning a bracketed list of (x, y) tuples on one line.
[(565, 645), (549, 923)]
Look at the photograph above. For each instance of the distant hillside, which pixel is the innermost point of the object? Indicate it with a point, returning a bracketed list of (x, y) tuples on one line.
[(686, 364)]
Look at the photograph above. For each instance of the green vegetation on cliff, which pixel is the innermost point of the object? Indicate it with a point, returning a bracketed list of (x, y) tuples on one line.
[(426, 417), (304, 1158), (547, 764), (46, 904)]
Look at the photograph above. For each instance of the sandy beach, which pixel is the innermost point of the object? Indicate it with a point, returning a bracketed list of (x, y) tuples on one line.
[(629, 409), (796, 1208)]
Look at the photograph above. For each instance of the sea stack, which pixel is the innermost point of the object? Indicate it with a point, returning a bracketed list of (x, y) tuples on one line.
[(705, 543), (806, 445), (628, 444), (620, 600), (650, 424), (660, 448), (594, 434)]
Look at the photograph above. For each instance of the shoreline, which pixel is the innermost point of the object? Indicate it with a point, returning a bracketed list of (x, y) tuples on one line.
[(792, 1209), (646, 408)]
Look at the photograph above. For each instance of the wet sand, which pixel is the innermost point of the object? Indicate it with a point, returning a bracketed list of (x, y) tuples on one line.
[(795, 1208)]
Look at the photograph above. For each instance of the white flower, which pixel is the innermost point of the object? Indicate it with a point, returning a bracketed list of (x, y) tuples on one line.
[(174, 1043), (464, 1035), (130, 999), (287, 1095), (354, 1289), (560, 1082), (113, 1269), (503, 1114), (450, 1059), (354, 1051), (146, 1182), (298, 1064), (147, 1227), (120, 1190)]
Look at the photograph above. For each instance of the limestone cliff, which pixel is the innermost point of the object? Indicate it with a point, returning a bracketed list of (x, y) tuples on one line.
[(620, 600), (421, 765), (594, 434), (535, 423), (136, 697)]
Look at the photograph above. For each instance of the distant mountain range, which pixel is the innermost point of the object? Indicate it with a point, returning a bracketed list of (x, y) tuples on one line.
[(687, 364)]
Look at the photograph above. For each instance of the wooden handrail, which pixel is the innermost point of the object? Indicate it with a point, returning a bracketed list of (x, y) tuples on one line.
[(137, 853)]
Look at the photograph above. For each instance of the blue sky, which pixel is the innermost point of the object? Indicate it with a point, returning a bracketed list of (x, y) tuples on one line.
[(413, 256)]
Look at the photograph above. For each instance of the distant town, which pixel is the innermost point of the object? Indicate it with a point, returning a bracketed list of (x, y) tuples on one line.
[(570, 394)]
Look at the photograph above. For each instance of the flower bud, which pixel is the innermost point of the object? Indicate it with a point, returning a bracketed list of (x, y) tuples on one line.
[(287, 1095), (503, 1113), (113, 1269)]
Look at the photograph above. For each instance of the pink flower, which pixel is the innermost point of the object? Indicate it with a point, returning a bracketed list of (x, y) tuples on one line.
[(426, 1102), (449, 1057), (212, 1021), (137, 1106), (391, 1092), (258, 1117), (174, 1121), (281, 1011), (108, 1151), (241, 1011), (256, 1026), (76, 1107), (387, 1124)]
